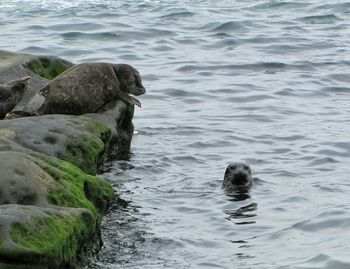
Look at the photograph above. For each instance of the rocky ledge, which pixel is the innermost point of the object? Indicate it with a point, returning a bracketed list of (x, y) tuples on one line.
[(51, 201)]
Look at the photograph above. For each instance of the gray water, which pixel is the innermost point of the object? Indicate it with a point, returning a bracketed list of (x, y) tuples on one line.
[(263, 82)]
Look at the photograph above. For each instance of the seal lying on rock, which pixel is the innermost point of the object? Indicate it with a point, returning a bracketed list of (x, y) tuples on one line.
[(11, 93), (237, 175), (85, 88)]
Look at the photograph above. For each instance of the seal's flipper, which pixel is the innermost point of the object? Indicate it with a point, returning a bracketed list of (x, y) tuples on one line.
[(129, 99), (135, 101), (19, 114), (25, 80)]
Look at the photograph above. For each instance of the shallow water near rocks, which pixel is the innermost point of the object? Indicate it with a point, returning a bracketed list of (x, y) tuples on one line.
[(263, 82)]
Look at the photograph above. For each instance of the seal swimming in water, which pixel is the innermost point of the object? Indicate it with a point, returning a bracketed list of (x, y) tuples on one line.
[(11, 93), (237, 175), (85, 88)]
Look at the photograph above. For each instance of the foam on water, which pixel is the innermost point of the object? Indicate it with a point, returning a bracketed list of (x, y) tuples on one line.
[(265, 82)]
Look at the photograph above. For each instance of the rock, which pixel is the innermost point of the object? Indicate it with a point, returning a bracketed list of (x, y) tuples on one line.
[(41, 68), (51, 201)]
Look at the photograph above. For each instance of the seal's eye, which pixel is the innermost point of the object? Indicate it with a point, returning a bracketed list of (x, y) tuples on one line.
[(130, 82), (245, 167), (233, 167)]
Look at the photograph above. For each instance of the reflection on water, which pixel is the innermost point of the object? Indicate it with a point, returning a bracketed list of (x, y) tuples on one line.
[(238, 194), (243, 212)]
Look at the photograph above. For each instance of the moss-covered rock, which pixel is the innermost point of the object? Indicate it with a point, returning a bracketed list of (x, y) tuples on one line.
[(50, 161), (43, 237), (40, 68), (47, 67), (51, 201)]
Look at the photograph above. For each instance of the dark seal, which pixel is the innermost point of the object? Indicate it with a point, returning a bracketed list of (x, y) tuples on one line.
[(85, 88), (237, 175), (11, 93)]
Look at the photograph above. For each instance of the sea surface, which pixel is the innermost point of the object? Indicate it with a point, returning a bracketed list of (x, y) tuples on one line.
[(262, 82)]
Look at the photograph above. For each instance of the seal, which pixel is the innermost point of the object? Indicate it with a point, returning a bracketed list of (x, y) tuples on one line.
[(237, 175), (85, 88), (11, 93)]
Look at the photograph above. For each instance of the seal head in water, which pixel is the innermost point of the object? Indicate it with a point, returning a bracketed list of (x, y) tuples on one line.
[(11, 93), (85, 88), (237, 175)]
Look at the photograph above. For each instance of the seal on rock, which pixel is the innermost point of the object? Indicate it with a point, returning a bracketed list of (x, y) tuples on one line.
[(85, 88), (237, 175), (11, 93)]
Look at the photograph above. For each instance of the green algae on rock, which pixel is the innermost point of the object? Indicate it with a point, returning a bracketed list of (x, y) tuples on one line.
[(54, 238), (41, 68), (42, 237), (41, 171), (51, 201), (47, 67)]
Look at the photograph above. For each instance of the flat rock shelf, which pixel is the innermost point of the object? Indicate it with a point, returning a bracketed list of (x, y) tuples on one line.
[(51, 201)]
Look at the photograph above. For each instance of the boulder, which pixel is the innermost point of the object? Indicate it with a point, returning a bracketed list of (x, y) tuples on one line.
[(41, 68)]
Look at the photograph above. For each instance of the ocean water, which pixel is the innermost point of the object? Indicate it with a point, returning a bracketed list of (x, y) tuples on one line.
[(263, 82)]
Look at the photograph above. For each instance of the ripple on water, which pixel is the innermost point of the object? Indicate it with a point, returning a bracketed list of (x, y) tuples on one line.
[(330, 220), (87, 26), (322, 261), (178, 15), (283, 5), (77, 35), (320, 19), (229, 27)]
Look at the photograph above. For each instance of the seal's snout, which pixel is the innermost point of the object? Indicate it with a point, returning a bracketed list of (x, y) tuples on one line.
[(237, 174), (139, 90), (239, 178)]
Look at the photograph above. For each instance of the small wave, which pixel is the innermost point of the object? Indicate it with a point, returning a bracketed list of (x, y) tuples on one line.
[(130, 57), (92, 36), (337, 89), (231, 26), (320, 19), (333, 152), (163, 48), (154, 32), (277, 4), (178, 93), (264, 66), (321, 261), (249, 99), (37, 50), (290, 138), (36, 27), (337, 7), (178, 15), (76, 27), (329, 220), (340, 77), (321, 161)]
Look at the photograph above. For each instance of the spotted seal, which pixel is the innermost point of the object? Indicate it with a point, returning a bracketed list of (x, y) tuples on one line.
[(85, 88), (11, 93), (237, 175)]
